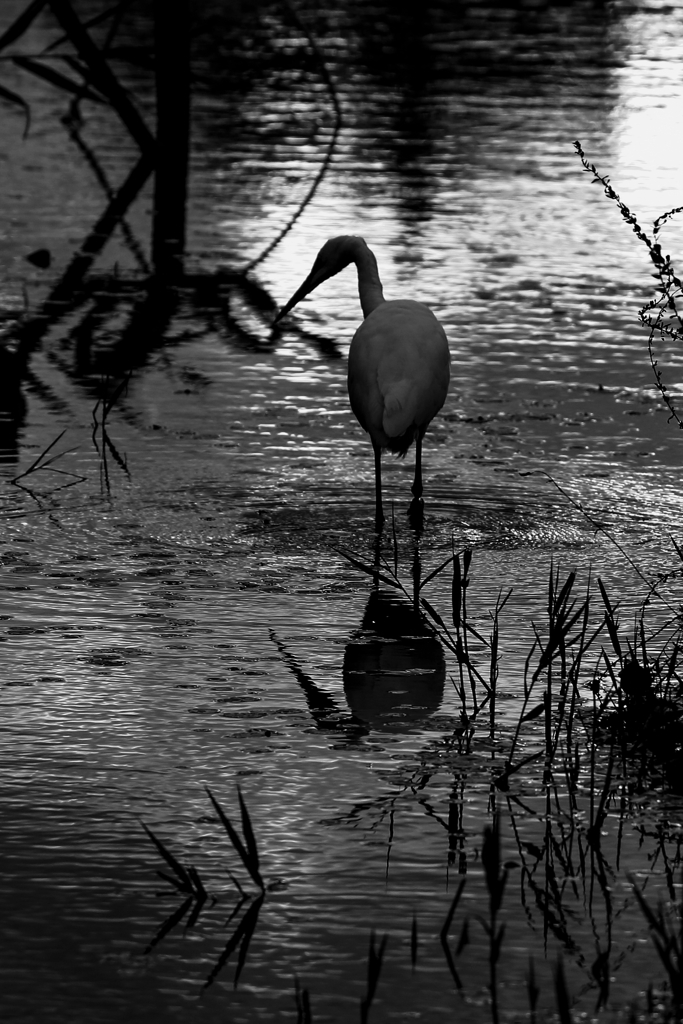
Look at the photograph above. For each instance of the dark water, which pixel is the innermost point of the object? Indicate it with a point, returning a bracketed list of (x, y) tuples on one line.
[(176, 611)]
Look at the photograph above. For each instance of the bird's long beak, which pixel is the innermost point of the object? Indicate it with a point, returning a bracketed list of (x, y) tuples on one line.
[(316, 277), (298, 295)]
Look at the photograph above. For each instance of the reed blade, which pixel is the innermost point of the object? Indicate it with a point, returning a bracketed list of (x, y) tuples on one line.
[(370, 570), (534, 713), (435, 572), (244, 854), (303, 1003), (250, 840), (240, 937), (562, 995), (169, 924), (375, 960), (185, 884)]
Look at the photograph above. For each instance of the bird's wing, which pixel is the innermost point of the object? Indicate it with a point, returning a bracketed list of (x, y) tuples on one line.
[(399, 367), (414, 368), (364, 394)]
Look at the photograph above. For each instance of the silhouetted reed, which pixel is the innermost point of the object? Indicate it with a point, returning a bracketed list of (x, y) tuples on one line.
[(495, 874), (562, 994), (239, 940), (248, 853), (533, 991), (303, 1003), (43, 463), (443, 936), (105, 404), (185, 879), (375, 960)]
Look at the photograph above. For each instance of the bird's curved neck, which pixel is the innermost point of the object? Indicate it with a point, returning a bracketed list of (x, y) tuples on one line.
[(369, 284)]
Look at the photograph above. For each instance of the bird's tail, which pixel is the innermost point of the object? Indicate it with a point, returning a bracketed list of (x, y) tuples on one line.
[(400, 445), (398, 421)]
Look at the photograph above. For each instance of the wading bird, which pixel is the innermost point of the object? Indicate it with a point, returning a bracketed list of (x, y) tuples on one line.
[(399, 363)]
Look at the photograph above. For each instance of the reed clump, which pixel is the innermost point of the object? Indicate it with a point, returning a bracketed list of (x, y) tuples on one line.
[(186, 880), (600, 723)]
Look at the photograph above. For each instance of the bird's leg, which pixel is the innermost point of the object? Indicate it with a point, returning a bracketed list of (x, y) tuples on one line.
[(375, 564), (379, 511), (416, 515), (416, 510), (417, 575), (417, 483)]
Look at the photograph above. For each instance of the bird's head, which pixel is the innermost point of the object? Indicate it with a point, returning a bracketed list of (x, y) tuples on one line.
[(336, 254)]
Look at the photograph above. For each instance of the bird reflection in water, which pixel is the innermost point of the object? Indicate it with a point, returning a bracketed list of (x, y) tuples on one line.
[(394, 668), (393, 671)]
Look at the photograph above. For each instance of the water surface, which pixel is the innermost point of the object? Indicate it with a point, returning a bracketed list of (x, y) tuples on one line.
[(177, 613)]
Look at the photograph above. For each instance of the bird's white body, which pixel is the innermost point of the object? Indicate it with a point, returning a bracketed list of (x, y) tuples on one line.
[(399, 363), (399, 369)]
